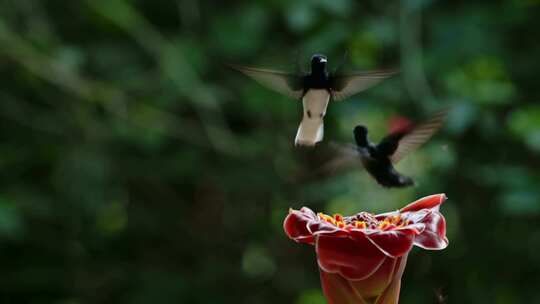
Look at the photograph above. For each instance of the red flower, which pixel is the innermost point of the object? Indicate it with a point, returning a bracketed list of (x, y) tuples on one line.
[(362, 257)]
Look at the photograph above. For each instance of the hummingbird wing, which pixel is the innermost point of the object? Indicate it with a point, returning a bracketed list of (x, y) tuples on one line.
[(284, 83), (390, 143), (344, 86), (411, 140), (338, 70), (347, 157)]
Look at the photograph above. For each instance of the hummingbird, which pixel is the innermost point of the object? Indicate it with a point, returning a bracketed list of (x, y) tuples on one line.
[(315, 89), (404, 138), (379, 159)]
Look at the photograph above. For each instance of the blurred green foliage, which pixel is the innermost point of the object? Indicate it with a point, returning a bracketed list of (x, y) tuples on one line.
[(136, 169)]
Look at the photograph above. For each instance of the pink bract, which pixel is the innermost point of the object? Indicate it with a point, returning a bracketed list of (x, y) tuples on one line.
[(362, 257)]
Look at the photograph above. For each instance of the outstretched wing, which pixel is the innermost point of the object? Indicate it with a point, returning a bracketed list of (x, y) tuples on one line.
[(344, 86), (418, 135), (285, 83), (389, 145), (346, 157)]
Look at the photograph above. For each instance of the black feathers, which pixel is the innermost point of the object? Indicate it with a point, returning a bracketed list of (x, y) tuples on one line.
[(379, 159)]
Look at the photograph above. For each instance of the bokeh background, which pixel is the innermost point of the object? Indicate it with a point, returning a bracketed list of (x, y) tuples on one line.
[(135, 168)]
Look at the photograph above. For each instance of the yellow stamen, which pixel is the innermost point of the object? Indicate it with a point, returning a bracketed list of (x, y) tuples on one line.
[(384, 225), (394, 219), (360, 224), (326, 218)]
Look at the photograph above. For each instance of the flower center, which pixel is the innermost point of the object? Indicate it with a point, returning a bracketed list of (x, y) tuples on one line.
[(364, 220)]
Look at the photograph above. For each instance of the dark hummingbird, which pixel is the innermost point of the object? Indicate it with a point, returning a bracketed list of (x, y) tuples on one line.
[(315, 88), (404, 138)]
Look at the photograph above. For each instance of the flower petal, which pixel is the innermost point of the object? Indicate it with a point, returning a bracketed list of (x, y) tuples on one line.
[(323, 227), (393, 243), (295, 225), (354, 259), (338, 290), (434, 235), (375, 284), (416, 227), (415, 216), (428, 202), (391, 294)]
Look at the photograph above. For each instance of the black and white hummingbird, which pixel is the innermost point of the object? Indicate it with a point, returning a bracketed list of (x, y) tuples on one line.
[(379, 159), (315, 89)]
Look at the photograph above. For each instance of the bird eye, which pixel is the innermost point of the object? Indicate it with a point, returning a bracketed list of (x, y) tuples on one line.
[(308, 113)]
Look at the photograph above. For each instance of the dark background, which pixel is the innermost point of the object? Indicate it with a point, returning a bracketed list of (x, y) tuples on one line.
[(136, 169)]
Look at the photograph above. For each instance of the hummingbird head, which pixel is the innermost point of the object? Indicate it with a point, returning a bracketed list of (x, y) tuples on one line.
[(360, 135), (318, 62)]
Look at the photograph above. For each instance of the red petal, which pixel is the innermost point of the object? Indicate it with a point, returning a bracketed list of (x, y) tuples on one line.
[(428, 202), (434, 235), (376, 283), (338, 290), (295, 225), (415, 216), (383, 285), (354, 259), (391, 294), (416, 227), (393, 243), (323, 227)]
